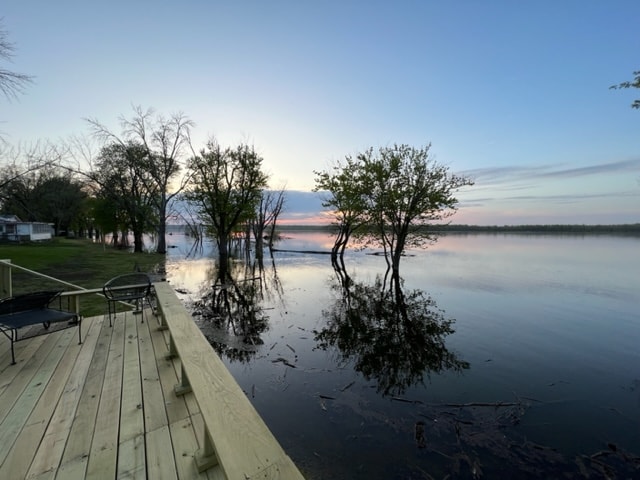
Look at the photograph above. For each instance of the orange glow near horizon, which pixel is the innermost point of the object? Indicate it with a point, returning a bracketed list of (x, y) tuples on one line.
[(313, 219)]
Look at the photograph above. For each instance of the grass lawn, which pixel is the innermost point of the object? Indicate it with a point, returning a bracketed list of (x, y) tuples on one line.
[(77, 261)]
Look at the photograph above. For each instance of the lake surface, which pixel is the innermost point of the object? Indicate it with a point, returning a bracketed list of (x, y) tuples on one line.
[(540, 378)]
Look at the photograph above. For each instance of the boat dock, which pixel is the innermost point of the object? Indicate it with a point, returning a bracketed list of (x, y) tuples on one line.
[(142, 399)]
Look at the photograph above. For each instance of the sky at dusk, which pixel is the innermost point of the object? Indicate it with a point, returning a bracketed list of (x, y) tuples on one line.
[(513, 94)]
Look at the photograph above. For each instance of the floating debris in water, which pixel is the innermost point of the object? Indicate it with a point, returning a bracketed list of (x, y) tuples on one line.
[(347, 386), (285, 361)]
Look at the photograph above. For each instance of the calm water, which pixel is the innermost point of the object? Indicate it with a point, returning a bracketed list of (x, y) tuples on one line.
[(540, 377)]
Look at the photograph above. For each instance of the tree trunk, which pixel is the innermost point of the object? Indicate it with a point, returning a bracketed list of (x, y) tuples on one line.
[(223, 246), (162, 226), (138, 243)]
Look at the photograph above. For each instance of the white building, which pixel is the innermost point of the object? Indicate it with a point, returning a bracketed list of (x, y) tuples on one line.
[(15, 230)]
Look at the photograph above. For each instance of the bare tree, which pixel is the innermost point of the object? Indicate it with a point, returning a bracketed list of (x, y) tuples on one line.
[(26, 159), (11, 83), (267, 212), (167, 142)]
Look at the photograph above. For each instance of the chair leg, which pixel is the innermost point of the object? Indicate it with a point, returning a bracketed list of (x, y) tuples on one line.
[(109, 307)]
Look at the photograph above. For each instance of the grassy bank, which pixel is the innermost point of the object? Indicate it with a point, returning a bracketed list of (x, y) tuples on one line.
[(79, 262)]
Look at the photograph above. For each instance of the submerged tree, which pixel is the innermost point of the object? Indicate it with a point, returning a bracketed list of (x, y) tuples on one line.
[(267, 212), (227, 185), (407, 191), (392, 195), (346, 197)]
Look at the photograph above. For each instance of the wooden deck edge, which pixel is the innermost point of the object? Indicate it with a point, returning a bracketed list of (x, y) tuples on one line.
[(234, 433)]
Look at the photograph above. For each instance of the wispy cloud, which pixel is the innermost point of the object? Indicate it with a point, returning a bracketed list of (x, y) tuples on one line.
[(623, 166), (510, 174)]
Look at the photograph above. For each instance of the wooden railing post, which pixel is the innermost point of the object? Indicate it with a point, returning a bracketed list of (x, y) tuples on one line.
[(184, 386), (205, 457), (6, 288)]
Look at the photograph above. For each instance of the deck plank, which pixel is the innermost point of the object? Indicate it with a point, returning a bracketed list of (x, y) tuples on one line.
[(20, 375), (58, 404), (155, 413), (185, 444), (76, 452), (131, 457), (24, 351), (161, 463), (103, 456), (17, 417)]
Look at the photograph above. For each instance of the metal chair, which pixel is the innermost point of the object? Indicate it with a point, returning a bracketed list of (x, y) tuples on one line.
[(130, 288)]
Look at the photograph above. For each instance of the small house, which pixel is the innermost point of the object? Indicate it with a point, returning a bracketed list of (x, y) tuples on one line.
[(12, 229)]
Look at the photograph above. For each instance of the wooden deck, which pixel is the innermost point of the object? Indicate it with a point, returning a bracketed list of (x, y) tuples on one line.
[(103, 409)]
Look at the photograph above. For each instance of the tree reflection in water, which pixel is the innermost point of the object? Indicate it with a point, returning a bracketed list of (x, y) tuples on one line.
[(392, 337), (231, 308)]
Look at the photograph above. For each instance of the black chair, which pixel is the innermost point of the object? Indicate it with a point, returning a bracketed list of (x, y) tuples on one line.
[(131, 288), (30, 309)]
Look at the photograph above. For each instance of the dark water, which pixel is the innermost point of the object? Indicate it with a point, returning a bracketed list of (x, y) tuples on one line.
[(541, 378)]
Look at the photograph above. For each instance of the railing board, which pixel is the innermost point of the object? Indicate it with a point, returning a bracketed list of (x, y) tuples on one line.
[(176, 408), (243, 444)]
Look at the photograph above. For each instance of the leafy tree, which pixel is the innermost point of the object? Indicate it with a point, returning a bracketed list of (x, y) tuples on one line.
[(165, 141), (635, 83), (11, 83), (123, 180), (407, 190), (47, 194), (61, 200), (227, 184), (395, 192), (346, 197)]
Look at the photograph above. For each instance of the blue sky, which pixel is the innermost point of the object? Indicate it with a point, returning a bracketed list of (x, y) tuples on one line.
[(514, 94)]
